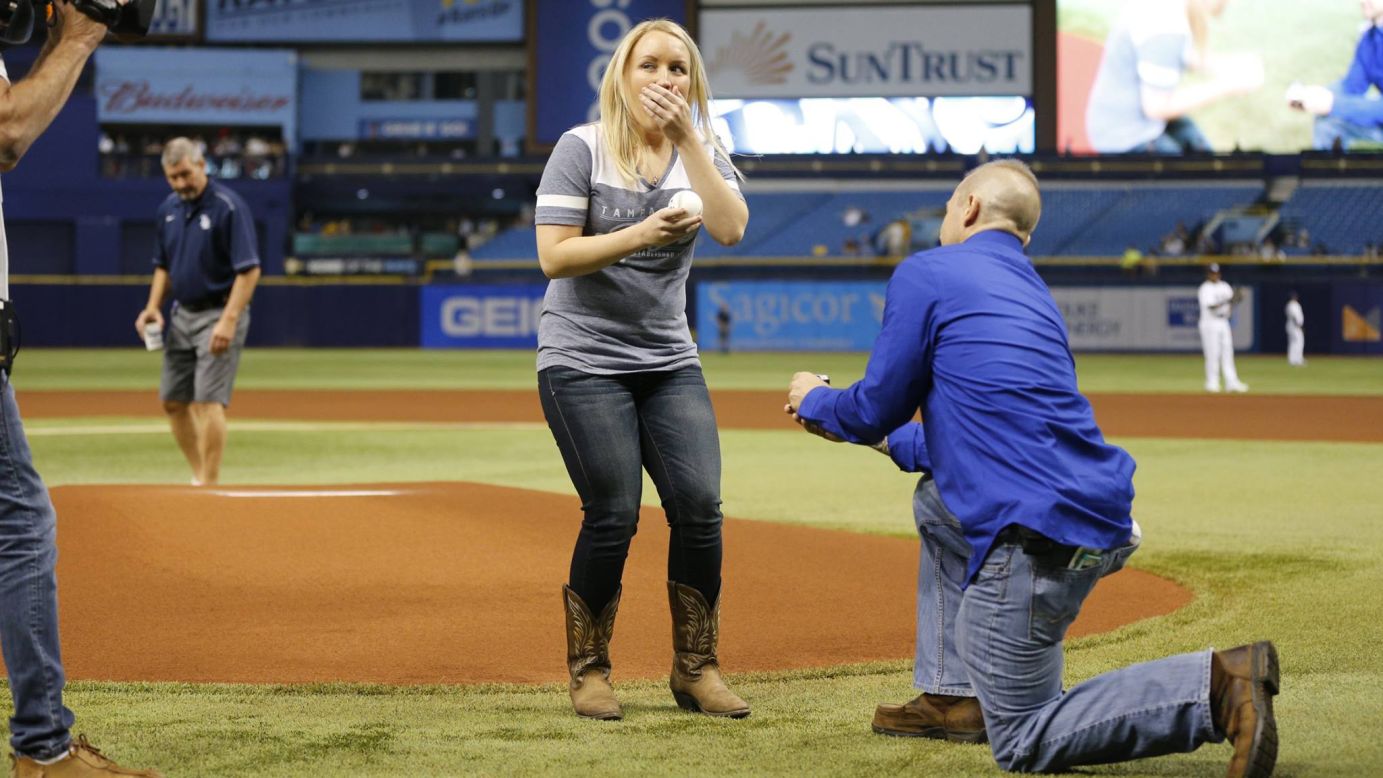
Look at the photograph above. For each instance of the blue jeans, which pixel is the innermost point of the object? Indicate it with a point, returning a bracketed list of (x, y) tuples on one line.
[(940, 578), (1329, 129), (609, 429), (1182, 136), (29, 595), (1007, 630)]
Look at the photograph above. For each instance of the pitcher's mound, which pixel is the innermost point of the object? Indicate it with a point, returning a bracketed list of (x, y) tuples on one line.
[(452, 583)]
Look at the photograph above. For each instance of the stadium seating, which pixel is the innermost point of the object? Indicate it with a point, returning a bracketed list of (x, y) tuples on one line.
[(1341, 218), (1095, 220), (515, 243), (1105, 221)]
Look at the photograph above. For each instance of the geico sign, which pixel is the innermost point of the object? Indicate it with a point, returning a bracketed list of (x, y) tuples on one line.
[(492, 317)]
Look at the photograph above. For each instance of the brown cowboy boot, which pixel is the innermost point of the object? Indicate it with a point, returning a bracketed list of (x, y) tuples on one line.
[(1243, 682), (82, 759), (588, 657), (696, 682), (939, 716)]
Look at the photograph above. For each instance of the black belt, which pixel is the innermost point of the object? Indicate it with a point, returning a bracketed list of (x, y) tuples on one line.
[(1049, 552), (204, 304)]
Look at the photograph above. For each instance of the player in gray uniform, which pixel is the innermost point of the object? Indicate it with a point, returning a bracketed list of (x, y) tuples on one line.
[(618, 373), (40, 729)]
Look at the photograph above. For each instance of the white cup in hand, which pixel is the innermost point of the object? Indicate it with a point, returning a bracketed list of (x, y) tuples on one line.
[(153, 336)]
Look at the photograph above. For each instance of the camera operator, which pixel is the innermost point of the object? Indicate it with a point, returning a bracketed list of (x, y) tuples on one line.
[(40, 728)]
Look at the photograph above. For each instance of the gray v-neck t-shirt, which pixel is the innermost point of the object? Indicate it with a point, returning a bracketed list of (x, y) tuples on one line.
[(630, 316)]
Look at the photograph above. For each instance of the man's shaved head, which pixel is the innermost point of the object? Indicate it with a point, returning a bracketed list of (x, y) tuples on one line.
[(1001, 195)]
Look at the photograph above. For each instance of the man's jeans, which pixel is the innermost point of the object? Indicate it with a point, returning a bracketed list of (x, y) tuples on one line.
[(1329, 129), (1182, 136), (609, 429), (940, 578), (29, 594), (1006, 631)]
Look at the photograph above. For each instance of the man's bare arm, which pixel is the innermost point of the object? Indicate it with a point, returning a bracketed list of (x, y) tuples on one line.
[(27, 108)]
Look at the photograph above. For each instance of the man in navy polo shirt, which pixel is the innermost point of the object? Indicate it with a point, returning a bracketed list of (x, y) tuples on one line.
[(1037, 508), (207, 260)]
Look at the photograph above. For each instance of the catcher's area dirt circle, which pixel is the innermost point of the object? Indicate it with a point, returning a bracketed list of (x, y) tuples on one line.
[(453, 583)]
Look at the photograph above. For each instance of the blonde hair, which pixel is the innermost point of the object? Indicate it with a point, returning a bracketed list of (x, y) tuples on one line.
[(617, 123)]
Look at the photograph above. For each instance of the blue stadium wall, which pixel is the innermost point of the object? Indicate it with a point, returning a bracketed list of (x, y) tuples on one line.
[(75, 312), (333, 315), (63, 218)]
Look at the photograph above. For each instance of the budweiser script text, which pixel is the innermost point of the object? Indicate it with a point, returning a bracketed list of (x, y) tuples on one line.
[(136, 96)]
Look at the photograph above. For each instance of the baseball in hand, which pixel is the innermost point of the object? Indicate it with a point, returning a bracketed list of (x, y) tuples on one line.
[(688, 201)]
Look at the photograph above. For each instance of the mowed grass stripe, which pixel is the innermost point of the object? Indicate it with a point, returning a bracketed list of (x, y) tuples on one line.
[(47, 429)]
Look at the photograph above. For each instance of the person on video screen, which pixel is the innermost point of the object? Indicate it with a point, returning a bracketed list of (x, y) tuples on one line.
[(1140, 101), (1345, 113)]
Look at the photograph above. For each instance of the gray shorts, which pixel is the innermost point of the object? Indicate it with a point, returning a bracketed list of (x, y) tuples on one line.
[(191, 373)]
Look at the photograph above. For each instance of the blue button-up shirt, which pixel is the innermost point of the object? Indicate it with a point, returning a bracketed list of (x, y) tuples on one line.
[(1352, 102), (972, 336), (205, 243)]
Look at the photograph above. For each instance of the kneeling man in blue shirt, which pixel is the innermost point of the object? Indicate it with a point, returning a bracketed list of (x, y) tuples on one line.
[(1346, 113), (1037, 508)]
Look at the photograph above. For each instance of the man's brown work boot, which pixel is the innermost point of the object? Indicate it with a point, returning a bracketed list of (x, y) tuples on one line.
[(83, 759), (1243, 682), (939, 716)]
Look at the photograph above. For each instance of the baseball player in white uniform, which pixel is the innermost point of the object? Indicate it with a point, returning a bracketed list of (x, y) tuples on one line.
[(1217, 300), (1296, 336)]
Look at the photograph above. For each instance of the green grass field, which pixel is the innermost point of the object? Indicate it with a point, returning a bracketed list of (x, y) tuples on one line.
[(1278, 540)]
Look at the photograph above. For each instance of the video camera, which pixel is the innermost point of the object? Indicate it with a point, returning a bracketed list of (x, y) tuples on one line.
[(127, 21)]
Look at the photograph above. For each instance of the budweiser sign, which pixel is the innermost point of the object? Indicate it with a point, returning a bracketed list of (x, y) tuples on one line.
[(132, 97)]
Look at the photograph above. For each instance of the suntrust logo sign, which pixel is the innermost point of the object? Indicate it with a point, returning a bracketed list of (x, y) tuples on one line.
[(760, 55), (912, 63), (838, 52)]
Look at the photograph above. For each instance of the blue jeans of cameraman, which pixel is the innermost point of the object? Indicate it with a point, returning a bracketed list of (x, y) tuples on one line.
[(610, 428), (29, 594), (1001, 639)]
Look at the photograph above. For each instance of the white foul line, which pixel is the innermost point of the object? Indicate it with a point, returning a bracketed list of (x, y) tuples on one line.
[(308, 493)]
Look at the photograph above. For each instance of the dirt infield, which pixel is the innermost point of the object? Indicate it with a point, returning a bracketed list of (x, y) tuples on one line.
[(451, 583), (1246, 417)]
